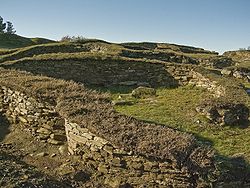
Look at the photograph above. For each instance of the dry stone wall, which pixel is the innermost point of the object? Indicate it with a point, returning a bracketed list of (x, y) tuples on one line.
[(39, 118), (187, 75), (99, 72), (121, 167)]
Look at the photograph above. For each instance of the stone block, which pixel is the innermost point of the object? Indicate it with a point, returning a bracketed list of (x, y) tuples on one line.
[(83, 130), (120, 152), (43, 136), (22, 119), (77, 138), (89, 136), (54, 142), (100, 140), (58, 137), (43, 131)]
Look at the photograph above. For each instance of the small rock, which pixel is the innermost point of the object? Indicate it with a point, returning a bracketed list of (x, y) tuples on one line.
[(226, 72), (43, 131), (22, 119), (54, 142), (63, 149), (53, 155), (42, 154), (198, 121)]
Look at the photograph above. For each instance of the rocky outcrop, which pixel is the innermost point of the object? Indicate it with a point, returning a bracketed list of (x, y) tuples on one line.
[(225, 114), (142, 92)]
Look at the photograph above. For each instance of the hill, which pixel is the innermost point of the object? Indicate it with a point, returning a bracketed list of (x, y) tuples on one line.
[(10, 41), (130, 114)]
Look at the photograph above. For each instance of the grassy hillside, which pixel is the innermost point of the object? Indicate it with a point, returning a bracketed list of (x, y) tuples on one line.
[(173, 107), (15, 41)]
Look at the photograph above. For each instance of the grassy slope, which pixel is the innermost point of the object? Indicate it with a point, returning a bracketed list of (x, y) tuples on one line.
[(176, 108), (16, 41)]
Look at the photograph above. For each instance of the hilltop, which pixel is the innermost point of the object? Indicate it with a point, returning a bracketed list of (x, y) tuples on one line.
[(129, 114), (10, 41)]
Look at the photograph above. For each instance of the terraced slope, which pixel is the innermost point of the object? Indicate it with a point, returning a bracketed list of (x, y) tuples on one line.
[(119, 68)]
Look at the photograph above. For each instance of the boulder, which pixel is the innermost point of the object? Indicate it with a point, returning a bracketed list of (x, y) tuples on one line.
[(143, 92), (226, 72)]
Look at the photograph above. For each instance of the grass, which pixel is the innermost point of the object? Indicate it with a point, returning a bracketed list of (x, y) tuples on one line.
[(15, 41), (176, 108)]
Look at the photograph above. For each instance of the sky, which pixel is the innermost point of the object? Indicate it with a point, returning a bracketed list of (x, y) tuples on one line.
[(218, 25)]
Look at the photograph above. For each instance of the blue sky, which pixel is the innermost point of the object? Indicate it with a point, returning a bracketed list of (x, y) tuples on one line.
[(218, 25)]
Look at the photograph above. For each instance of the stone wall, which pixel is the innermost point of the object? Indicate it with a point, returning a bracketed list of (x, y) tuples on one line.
[(39, 118), (121, 167), (187, 75), (217, 110), (99, 72)]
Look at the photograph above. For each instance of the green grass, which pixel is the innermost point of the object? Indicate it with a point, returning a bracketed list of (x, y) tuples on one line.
[(244, 64), (176, 108), (8, 41)]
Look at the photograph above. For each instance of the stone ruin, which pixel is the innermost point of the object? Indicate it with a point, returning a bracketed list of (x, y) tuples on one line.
[(127, 152)]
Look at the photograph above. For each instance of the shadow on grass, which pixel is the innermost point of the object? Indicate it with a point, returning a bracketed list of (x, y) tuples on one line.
[(114, 89)]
